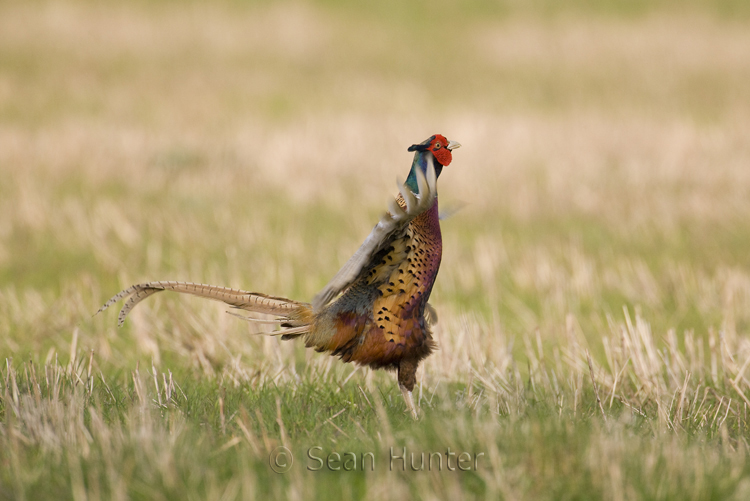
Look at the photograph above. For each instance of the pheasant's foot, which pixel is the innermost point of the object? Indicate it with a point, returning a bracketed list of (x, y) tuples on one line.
[(409, 402)]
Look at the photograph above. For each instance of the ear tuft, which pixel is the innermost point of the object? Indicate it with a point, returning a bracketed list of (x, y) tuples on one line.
[(423, 146)]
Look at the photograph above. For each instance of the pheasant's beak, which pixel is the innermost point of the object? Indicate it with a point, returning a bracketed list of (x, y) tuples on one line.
[(452, 145)]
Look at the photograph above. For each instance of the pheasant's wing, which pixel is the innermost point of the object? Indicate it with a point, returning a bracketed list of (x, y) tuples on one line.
[(391, 225)]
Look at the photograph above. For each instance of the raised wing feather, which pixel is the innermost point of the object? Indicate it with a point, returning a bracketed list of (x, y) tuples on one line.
[(391, 225)]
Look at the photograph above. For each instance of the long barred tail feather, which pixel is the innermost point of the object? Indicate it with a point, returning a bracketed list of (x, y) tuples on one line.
[(293, 313)]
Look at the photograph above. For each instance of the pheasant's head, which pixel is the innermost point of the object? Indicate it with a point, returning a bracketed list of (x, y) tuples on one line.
[(437, 147)]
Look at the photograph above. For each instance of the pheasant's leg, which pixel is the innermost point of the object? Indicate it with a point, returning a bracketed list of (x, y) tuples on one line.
[(407, 378)]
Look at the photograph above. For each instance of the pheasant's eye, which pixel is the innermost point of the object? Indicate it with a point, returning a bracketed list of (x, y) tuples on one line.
[(437, 146)]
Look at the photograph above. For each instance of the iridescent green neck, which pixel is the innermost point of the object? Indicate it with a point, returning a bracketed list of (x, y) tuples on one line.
[(420, 162)]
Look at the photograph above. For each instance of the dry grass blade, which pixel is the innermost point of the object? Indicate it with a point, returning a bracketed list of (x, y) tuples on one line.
[(596, 388)]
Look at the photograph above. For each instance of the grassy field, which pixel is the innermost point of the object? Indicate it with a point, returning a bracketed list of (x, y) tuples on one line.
[(594, 296)]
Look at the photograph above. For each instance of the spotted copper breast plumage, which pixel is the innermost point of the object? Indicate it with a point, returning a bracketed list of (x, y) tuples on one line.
[(374, 311)]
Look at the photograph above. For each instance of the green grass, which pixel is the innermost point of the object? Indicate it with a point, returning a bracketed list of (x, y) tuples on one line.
[(136, 435), (603, 194)]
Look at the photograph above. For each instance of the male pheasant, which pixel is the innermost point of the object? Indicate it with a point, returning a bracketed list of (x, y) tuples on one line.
[(374, 311)]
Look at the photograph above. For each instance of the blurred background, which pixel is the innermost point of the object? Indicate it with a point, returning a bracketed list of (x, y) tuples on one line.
[(605, 160), (600, 202)]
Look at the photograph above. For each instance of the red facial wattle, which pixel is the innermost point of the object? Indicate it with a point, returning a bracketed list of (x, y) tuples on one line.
[(438, 147)]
